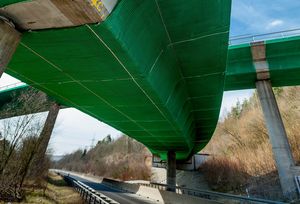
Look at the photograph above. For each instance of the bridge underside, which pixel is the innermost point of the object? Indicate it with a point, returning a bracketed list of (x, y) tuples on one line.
[(154, 70)]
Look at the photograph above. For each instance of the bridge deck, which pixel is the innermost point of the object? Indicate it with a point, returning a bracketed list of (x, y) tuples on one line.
[(153, 69), (282, 54)]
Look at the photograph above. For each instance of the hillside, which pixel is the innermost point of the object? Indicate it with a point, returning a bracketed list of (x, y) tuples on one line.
[(243, 161), (124, 159)]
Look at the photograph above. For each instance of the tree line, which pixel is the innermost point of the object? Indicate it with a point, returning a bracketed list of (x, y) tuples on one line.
[(123, 158)]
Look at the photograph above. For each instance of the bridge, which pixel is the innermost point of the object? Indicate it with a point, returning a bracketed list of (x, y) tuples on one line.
[(155, 70)]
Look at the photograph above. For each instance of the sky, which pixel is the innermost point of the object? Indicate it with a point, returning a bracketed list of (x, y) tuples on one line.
[(75, 129), (264, 16)]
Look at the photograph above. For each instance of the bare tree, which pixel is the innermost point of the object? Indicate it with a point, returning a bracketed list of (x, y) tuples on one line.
[(20, 142)]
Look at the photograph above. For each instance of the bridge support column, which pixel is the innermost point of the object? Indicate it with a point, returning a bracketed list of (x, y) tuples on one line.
[(9, 40), (171, 171), (278, 137), (46, 132)]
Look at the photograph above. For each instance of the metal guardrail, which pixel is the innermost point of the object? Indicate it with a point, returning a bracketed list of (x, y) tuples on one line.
[(89, 195), (297, 179), (212, 195), (236, 40)]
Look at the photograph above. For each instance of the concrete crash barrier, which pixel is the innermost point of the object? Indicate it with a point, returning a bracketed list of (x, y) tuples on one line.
[(156, 194)]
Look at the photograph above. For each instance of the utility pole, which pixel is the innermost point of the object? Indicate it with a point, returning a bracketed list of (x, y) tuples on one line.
[(93, 143)]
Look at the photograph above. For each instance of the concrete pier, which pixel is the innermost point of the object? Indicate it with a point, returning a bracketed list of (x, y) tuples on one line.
[(171, 171), (278, 137), (9, 40), (47, 131)]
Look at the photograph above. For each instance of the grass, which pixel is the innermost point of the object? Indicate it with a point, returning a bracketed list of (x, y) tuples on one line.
[(56, 192)]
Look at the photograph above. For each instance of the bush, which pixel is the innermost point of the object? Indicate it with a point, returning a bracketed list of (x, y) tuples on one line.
[(224, 174)]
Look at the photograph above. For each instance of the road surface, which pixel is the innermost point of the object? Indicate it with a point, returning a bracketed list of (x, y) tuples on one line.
[(119, 196)]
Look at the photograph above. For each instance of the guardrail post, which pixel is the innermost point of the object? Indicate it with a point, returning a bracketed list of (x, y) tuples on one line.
[(297, 178), (90, 197), (9, 40), (88, 194)]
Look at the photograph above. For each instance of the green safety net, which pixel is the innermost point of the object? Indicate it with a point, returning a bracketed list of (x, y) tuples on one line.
[(283, 58), (154, 70), (8, 2)]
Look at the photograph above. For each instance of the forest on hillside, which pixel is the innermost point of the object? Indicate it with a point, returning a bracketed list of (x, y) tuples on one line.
[(242, 159), (123, 158)]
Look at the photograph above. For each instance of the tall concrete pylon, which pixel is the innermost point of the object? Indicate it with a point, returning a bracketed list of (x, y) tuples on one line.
[(47, 131), (276, 130), (9, 40), (43, 140)]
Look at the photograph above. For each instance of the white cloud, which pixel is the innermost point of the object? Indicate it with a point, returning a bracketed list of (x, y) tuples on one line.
[(275, 23), (259, 17)]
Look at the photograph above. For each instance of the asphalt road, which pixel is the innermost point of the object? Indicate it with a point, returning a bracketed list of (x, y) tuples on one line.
[(119, 196)]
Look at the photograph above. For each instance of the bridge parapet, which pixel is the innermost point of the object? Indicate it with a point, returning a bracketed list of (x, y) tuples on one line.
[(242, 39)]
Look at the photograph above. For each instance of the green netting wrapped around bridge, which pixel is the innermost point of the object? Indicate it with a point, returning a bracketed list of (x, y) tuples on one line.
[(283, 58), (8, 2), (154, 69)]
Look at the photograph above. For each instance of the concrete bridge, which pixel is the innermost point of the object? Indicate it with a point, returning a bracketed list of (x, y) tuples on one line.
[(155, 70)]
